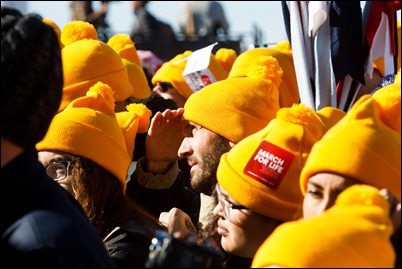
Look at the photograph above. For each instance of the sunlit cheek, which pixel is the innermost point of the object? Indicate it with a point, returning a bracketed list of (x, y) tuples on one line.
[(67, 185), (239, 231), (241, 245), (166, 95), (234, 242), (306, 208), (311, 207)]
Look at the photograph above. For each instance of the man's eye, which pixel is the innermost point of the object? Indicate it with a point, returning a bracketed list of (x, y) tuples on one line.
[(193, 130), (196, 129), (188, 130)]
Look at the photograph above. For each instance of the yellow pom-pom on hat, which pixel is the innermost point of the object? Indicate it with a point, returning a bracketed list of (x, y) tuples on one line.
[(284, 46), (78, 30), (354, 233), (245, 105), (88, 127), (264, 168), (266, 67), (220, 64), (361, 146), (125, 47), (135, 119), (226, 57), (288, 89), (87, 60)]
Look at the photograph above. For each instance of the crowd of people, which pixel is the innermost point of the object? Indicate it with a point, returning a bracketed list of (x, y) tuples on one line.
[(200, 22), (106, 146)]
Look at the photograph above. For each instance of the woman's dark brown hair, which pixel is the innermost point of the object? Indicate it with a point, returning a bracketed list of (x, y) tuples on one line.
[(101, 196)]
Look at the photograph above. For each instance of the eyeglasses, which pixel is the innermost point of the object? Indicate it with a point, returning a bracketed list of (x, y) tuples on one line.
[(165, 86), (58, 170), (225, 204)]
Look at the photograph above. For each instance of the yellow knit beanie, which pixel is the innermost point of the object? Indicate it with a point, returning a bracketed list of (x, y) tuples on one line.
[(87, 60), (172, 70), (288, 89), (125, 47), (262, 171), (330, 116), (354, 233), (88, 127), (238, 107), (362, 145)]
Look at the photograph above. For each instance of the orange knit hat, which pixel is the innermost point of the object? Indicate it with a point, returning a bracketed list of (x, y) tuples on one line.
[(262, 171), (354, 233), (172, 70), (288, 89), (88, 127), (125, 47), (87, 60), (362, 145), (239, 106)]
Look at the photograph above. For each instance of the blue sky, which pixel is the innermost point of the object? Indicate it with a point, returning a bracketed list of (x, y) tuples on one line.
[(242, 16)]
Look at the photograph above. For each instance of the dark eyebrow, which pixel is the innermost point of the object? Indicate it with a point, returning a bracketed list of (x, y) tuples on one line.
[(318, 186), (61, 159), (194, 125), (230, 199), (57, 159)]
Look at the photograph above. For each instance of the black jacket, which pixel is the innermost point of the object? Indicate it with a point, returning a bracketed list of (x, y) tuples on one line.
[(128, 246), (162, 200), (42, 225)]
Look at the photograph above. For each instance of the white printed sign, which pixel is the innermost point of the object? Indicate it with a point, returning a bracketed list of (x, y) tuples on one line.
[(196, 72)]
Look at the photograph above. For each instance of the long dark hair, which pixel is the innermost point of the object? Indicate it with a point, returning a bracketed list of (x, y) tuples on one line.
[(101, 195)]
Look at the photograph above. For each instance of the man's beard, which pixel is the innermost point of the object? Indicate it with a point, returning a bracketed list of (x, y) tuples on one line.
[(205, 180)]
